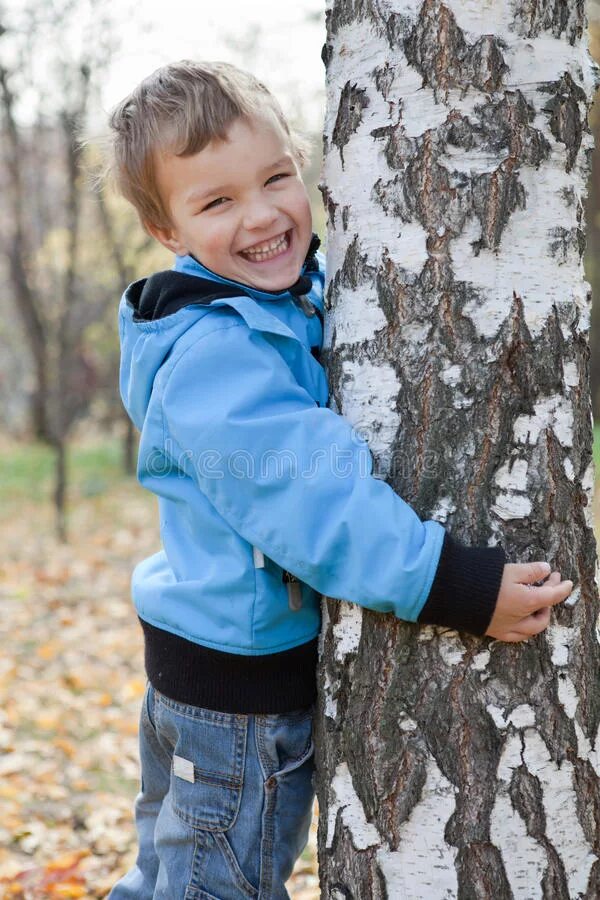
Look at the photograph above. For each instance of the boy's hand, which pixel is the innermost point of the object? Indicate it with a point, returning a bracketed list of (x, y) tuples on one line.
[(523, 609)]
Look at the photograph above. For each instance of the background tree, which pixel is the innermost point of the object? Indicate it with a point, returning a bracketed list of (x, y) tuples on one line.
[(46, 213), (457, 152), (64, 266)]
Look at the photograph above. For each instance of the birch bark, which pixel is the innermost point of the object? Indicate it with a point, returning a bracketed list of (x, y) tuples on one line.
[(457, 151)]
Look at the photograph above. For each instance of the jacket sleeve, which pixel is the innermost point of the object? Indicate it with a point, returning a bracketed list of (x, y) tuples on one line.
[(294, 480)]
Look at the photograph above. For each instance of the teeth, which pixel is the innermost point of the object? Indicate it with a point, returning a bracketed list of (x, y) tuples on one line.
[(263, 248), (266, 250)]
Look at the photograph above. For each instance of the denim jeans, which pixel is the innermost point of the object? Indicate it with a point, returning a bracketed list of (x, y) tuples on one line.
[(225, 803)]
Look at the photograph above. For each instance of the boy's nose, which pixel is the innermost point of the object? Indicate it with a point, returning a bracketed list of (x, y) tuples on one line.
[(259, 214)]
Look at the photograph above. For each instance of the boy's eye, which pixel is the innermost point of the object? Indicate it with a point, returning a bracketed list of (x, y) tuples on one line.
[(220, 200), (215, 203)]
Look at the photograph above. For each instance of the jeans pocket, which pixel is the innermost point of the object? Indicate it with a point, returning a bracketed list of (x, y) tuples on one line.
[(290, 741), (207, 772)]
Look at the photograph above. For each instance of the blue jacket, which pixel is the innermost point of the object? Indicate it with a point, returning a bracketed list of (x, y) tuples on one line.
[(266, 497)]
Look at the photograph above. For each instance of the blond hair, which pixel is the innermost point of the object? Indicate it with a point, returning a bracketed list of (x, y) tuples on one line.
[(180, 108)]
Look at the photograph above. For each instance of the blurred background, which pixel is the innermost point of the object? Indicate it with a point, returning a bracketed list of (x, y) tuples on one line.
[(72, 520)]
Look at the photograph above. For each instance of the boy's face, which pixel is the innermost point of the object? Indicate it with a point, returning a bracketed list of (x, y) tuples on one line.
[(239, 206)]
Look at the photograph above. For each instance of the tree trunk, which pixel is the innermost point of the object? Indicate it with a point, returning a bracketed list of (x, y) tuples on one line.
[(17, 251), (126, 274), (457, 152), (60, 490)]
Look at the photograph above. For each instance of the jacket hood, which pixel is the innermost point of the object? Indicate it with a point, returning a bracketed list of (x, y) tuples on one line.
[(156, 311)]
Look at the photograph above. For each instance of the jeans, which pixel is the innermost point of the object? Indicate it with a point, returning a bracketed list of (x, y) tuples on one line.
[(225, 803)]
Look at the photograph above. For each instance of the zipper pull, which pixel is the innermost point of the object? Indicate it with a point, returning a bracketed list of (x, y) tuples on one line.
[(294, 589)]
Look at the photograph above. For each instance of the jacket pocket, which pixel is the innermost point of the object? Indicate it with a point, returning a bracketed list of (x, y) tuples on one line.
[(209, 750)]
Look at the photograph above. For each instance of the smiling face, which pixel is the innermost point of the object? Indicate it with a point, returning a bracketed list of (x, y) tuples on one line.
[(239, 206)]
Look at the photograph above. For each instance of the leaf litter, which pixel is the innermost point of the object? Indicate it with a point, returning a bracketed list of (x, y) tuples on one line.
[(71, 683)]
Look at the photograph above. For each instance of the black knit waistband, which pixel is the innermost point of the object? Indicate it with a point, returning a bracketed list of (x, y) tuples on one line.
[(229, 682)]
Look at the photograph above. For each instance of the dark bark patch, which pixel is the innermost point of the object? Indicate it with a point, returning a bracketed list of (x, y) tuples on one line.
[(566, 241), (587, 658), (439, 50), (481, 873), (354, 270), (532, 17), (353, 101), (436, 46), (348, 12), (566, 123), (384, 78), (397, 27), (392, 197), (587, 795), (467, 752), (427, 190), (516, 361), (485, 64), (404, 774), (496, 195), (555, 727), (399, 148), (329, 203), (527, 798), (593, 885), (554, 882), (391, 290), (509, 124), (523, 663)]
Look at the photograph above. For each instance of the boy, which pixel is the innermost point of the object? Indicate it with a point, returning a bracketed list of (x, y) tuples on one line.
[(220, 373)]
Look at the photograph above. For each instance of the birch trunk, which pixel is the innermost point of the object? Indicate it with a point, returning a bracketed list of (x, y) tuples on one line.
[(456, 156)]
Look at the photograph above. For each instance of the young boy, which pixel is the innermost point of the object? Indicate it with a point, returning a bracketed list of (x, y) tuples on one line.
[(263, 495)]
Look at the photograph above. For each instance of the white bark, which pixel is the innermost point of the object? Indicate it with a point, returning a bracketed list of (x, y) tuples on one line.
[(456, 158)]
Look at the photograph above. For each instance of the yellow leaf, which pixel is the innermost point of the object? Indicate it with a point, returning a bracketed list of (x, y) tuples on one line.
[(134, 689), (67, 890), (66, 746), (67, 860), (47, 721), (48, 651)]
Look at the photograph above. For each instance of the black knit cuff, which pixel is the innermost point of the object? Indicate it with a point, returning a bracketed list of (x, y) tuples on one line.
[(465, 588)]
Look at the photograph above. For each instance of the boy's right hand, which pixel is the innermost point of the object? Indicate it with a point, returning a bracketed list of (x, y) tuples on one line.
[(523, 609)]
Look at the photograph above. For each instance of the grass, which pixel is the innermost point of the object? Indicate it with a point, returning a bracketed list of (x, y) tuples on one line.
[(27, 470)]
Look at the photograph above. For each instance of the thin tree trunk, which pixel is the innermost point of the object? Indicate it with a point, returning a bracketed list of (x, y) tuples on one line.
[(66, 404), (60, 490), (457, 153), (126, 275), (26, 303)]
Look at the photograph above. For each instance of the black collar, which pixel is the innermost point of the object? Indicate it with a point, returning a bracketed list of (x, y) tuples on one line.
[(163, 293)]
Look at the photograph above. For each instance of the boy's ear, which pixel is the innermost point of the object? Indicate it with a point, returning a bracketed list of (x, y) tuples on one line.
[(167, 237)]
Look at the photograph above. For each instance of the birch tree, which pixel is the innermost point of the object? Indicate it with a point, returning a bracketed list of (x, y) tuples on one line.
[(456, 156)]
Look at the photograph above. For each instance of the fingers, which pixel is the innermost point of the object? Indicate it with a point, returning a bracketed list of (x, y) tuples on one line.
[(550, 594), (554, 578), (526, 628), (532, 571), (534, 624)]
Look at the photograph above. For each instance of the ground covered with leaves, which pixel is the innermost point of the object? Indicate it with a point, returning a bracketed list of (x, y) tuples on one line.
[(71, 683)]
